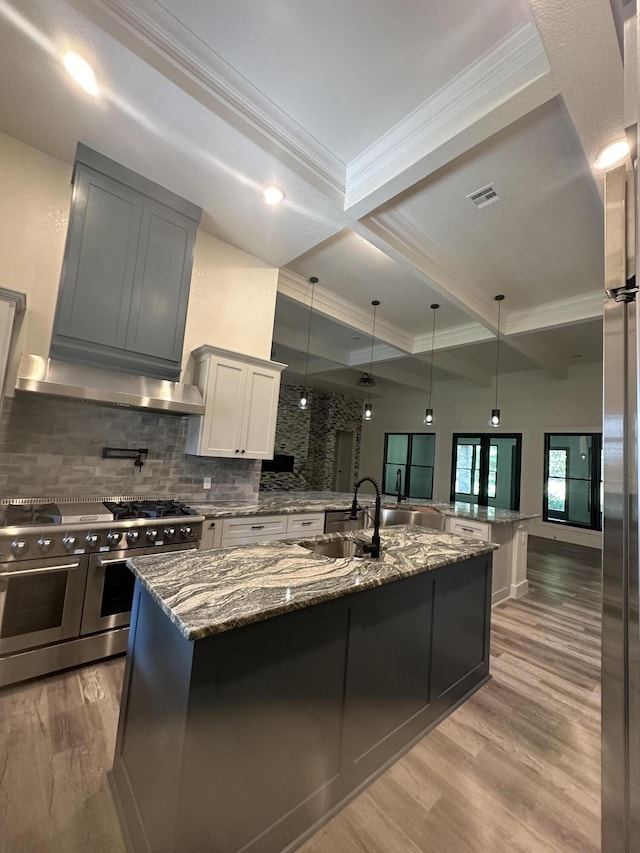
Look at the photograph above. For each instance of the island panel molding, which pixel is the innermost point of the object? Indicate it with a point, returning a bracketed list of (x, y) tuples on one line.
[(251, 738)]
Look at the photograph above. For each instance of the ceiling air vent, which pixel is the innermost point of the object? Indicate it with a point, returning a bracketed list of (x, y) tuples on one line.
[(485, 197)]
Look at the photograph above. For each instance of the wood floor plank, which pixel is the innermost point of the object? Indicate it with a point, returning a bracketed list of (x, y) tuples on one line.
[(516, 769)]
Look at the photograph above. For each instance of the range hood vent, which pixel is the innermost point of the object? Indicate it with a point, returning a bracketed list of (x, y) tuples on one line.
[(92, 384)]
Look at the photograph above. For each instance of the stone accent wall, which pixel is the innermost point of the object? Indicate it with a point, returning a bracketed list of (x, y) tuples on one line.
[(51, 447), (311, 437)]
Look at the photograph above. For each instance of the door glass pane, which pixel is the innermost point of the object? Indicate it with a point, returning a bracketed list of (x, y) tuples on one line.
[(34, 603), (421, 482), (397, 447), (422, 449), (391, 478), (502, 473), (467, 473)]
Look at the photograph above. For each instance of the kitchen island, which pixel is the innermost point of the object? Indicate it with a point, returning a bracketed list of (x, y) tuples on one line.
[(266, 684)]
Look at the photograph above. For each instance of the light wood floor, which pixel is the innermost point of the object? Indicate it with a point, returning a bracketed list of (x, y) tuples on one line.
[(514, 770)]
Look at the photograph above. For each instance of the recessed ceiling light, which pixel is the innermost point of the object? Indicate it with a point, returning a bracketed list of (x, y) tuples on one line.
[(272, 195), (81, 72), (613, 154)]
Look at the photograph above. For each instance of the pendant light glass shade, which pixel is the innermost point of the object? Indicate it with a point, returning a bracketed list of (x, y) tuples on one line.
[(428, 417), (494, 421), (303, 403), (367, 413)]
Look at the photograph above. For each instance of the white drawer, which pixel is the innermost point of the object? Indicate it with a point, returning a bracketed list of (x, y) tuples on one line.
[(254, 526), (305, 524), (463, 527)]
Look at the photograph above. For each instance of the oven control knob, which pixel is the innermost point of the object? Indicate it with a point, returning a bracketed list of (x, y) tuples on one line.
[(93, 540), (133, 536), (152, 535), (186, 532), (113, 537), (19, 547), (70, 542), (169, 532), (45, 544)]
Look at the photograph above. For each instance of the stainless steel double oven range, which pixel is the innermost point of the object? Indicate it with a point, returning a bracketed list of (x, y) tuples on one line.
[(65, 589)]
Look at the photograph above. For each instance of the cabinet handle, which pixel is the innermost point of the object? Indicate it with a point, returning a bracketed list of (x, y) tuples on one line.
[(242, 451), (467, 529), (257, 526), (238, 451), (305, 523), (213, 524)]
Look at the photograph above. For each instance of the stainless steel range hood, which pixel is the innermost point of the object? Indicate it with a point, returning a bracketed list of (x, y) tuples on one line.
[(64, 379)]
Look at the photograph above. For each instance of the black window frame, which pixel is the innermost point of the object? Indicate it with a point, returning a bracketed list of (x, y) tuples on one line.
[(406, 492), (595, 508), (483, 485)]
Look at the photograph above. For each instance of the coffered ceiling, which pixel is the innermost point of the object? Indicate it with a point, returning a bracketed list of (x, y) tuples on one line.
[(378, 119)]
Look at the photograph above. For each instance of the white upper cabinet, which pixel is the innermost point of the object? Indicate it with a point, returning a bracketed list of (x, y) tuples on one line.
[(241, 405)]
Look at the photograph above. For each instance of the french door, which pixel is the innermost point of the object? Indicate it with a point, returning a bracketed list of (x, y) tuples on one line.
[(485, 469)]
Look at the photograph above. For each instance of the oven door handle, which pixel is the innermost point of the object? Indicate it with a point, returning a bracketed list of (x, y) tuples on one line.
[(102, 562), (26, 572)]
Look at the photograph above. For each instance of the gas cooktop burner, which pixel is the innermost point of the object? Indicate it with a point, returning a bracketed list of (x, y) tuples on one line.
[(148, 509), (28, 515)]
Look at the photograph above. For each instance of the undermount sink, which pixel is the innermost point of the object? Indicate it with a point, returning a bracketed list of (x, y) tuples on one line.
[(337, 548), (434, 520)]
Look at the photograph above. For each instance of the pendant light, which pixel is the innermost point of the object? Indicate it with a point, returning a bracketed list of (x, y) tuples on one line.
[(495, 412), (367, 414), (304, 396), (428, 416)]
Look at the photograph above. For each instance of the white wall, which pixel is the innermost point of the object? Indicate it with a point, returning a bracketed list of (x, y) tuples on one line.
[(531, 403), (232, 301)]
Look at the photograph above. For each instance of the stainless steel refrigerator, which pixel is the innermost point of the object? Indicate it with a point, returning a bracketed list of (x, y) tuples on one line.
[(620, 605)]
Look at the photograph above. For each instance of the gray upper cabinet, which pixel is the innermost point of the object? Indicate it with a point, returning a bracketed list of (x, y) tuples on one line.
[(126, 273)]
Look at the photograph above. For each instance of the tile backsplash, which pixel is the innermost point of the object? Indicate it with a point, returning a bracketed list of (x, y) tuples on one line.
[(53, 447)]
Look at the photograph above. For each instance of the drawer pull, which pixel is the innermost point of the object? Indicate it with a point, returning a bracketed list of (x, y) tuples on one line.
[(257, 526), (305, 523), (468, 529)]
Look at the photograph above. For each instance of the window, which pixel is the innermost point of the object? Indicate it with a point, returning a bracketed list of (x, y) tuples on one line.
[(486, 470), (572, 479), (408, 464)]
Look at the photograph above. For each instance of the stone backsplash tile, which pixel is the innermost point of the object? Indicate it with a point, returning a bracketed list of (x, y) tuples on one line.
[(310, 436), (54, 447)]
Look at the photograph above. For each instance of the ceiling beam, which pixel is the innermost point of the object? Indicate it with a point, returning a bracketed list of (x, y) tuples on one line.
[(500, 87)]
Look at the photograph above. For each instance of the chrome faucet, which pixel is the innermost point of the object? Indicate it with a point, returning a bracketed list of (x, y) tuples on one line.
[(399, 485), (374, 547)]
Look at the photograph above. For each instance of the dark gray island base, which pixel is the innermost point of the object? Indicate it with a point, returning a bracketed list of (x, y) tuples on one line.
[(247, 740)]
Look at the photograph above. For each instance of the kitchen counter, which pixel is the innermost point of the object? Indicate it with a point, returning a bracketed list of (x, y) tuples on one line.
[(275, 503), (209, 592), (265, 685)]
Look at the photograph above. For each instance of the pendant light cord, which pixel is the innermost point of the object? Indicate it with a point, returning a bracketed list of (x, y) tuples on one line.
[(498, 348), (433, 338), (375, 304), (313, 281)]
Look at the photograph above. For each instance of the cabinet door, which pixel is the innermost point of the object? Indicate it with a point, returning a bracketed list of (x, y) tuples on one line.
[(260, 413), (222, 422), (161, 283), (99, 266)]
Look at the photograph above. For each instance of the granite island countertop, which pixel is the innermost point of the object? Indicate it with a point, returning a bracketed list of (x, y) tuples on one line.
[(279, 503), (209, 592)]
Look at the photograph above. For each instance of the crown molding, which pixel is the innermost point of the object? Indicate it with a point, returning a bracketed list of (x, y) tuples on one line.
[(229, 93), (295, 287), (395, 230), (490, 81), (551, 315)]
